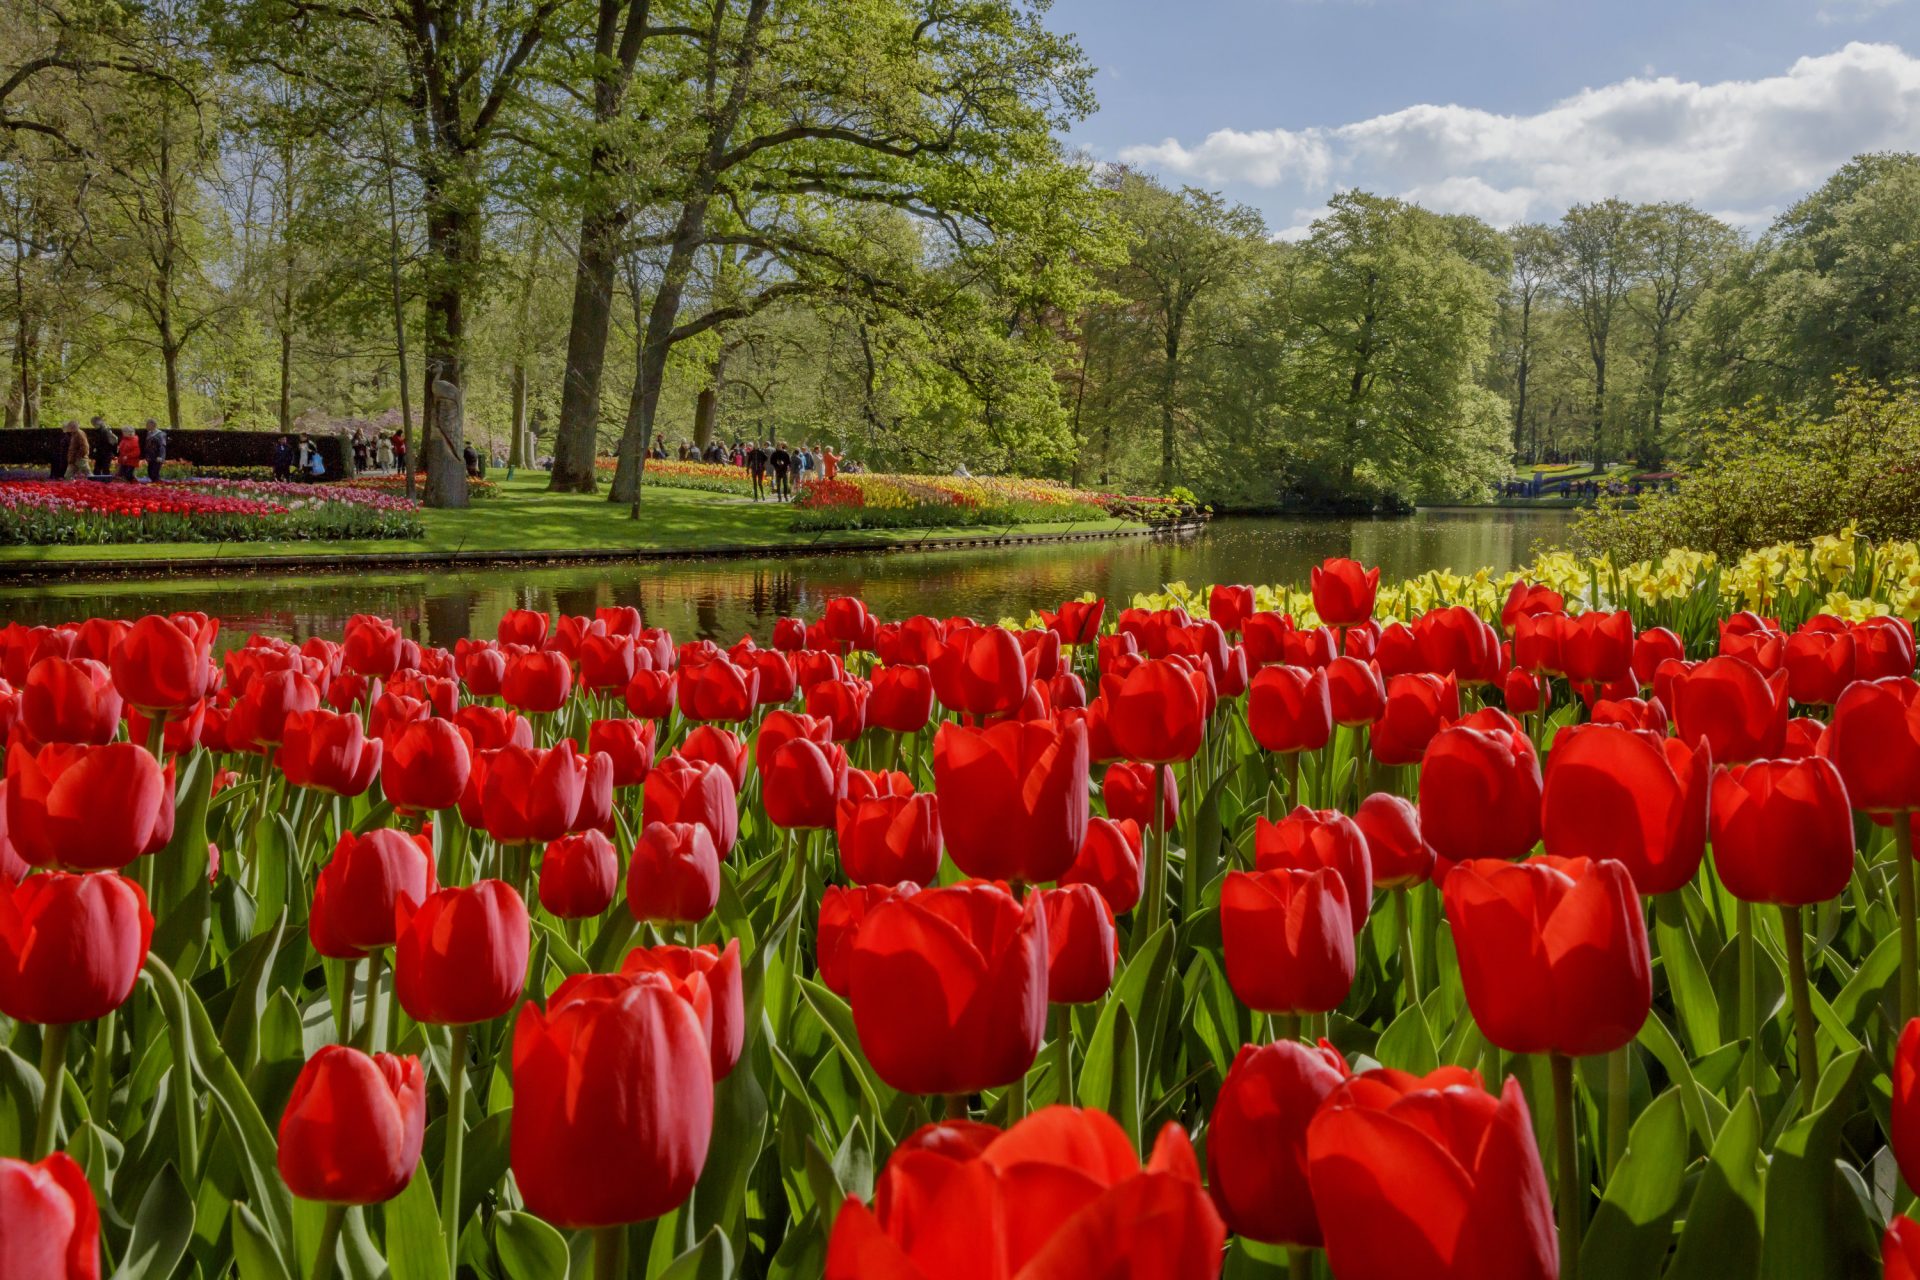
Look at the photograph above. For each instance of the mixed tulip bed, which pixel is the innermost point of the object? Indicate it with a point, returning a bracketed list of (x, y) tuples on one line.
[(88, 512), (1520, 936)]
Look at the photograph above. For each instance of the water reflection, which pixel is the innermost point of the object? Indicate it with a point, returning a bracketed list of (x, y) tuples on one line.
[(724, 599)]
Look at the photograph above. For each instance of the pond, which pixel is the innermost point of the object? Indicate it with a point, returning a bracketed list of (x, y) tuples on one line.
[(724, 599)]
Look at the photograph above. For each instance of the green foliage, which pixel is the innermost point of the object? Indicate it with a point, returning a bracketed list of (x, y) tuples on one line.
[(1782, 474)]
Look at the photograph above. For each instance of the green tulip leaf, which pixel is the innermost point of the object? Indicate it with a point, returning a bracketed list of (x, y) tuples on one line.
[(711, 1259), (1633, 1227), (162, 1229), (415, 1247), (1721, 1238), (1817, 1227), (529, 1249)]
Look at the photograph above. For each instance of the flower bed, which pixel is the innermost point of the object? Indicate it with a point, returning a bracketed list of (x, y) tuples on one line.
[(869, 501), (1466, 926), (86, 512)]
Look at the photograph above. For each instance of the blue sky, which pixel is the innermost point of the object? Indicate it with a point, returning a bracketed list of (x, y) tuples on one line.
[(1509, 109)]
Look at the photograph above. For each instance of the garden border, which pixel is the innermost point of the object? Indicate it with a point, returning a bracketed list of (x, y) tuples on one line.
[(28, 571)]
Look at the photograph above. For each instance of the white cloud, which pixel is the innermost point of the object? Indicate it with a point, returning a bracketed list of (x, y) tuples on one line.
[(1832, 11), (1743, 147)]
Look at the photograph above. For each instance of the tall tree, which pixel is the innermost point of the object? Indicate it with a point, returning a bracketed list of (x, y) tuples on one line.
[(1681, 251), (1600, 257), (1535, 264)]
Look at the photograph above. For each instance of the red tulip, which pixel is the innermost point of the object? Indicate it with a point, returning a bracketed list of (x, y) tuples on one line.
[(811, 666), (1480, 792), (329, 752), (1110, 860), (613, 1101), (1127, 789), (608, 662), (961, 1199), (650, 694), (1804, 736), (980, 671), (682, 790), (675, 874), (1623, 794), (353, 1126), (1597, 647), (1308, 839), (460, 956), (1156, 714), (717, 746), (842, 912), (71, 946), (49, 1222), (87, 808), (538, 681), (1288, 939), (1905, 1130), (1430, 1177), (1819, 665), (874, 784), (1525, 600), (782, 726), (1882, 647), (789, 634), (1782, 832), (1754, 640), (578, 876), (70, 702), (1900, 1249), (1356, 691), (1013, 798), (710, 980), (1553, 953), (1082, 945), (949, 988), (1290, 709), (889, 838), (715, 690), (1418, 707), (390, 715), (165, 663), (260, 714), (1398, 651), (802, 784), (1741, 713), (1230, 606), (1873, 739), (1457, 640), (426, 766), (1343, 591), (356, 892), (843, 704), (1264, 636), (1539, 643), (1257, 1139), (525, 627), (1078, 621), (1397, 852), (1523, 692), (847, 620), (1631, 713), (628, 743), (523, 795), (901, 699), (1653, 647)]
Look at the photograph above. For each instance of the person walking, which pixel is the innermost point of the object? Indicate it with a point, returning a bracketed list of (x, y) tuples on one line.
[(757, 470), (154, 449), (283, 460), (399, 443), (72, 460), (105, 444), (830, 461), (316, 466), (127, 453), (780, 460)]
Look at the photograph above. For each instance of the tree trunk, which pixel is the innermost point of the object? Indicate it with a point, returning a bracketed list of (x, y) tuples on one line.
[(286, 380), (517, 447), (654, 345), (170, 360), (451, 232), (706, 406), (576, 439), (1169, 386)]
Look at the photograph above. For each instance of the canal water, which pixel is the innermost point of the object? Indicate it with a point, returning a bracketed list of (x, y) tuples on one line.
[(723, 599)]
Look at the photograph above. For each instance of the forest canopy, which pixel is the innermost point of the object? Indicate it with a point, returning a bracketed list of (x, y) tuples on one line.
[(854, 222)]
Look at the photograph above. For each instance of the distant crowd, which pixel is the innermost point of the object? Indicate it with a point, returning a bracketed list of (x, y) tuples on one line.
[(775, 469), (1588, 488), (104, 452)]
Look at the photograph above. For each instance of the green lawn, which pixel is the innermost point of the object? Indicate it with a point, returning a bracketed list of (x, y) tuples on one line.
[(525, 517)]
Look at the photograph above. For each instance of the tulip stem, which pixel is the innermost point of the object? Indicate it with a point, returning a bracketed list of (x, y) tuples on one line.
[(1063, 1054), (53, 1061), (1017, 1101), (1793, 930), (1567, 1152), (364, 1041), (1409, 975), (1156, 898), (1903, 889), (456, 1142), (1749, 994), (1619, 1090), (1286, 1026), (606, 1252), (100, 1096), (1299, 1262), (329, 1242), (343, 1025)]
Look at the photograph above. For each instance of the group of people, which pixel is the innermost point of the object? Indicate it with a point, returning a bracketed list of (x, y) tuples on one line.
[(776, 469), (106, 451), (376, 452), (298, 460)]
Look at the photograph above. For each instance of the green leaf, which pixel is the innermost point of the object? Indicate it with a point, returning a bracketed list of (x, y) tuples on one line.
[(415, 1247), (1687, 979), (257, 1148), (254, 1250), (1721, 1239), (1633, 1228), (838, 1020), (1814, 1220), (529, 1249), (1407, 1045), (711, 1259), (162, 1228), (1110, 1076)]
